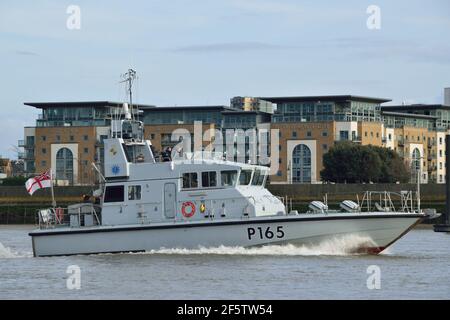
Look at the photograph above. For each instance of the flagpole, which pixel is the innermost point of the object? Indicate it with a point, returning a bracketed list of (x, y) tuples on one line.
[(51, 184)]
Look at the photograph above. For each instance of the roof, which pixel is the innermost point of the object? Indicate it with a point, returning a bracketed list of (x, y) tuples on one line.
[(240, 111), (408, 115), (341, 98), (200, 108), (416, 107), (81, 104)]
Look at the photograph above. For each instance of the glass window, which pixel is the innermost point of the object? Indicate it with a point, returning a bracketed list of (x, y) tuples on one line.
[(256, 176), (134, 192), (343, 135), (244, 177), (64, 165), (209, 179), (228, 178), (190, 180), (262, 176), (114, 194)]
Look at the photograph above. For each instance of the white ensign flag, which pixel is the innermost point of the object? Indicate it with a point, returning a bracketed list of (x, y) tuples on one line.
[(41, 181)]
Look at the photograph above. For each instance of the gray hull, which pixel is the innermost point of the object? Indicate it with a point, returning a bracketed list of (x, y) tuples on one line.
[(381, 229)]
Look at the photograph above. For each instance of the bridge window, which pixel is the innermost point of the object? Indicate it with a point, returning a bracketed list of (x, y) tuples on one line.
[(209, 179), (228, 178), (258, 178), (190, 180), (114, 194), (244, 177), (134, 192)]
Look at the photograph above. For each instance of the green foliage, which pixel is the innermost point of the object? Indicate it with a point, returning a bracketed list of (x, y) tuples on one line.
[(14, 181), (348, 162)]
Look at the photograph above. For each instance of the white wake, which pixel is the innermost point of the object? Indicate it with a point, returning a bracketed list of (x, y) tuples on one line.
[(338, 246), (8, 253)]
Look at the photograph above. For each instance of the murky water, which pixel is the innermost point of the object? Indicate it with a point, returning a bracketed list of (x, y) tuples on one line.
[(416, 267)]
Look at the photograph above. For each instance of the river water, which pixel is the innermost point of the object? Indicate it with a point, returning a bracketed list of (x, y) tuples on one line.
[(416, 267)]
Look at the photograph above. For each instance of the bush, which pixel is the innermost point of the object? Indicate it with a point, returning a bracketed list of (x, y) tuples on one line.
[(14, 181), (348, 162)]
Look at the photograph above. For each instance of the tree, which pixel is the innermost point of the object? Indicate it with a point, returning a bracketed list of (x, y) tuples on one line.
[(14, 181), (348, 162)]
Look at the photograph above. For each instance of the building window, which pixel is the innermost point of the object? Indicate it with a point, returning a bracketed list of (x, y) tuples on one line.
[(415, 164), (85, 162), (152, 136), (440, 178), (44, 138), (418, 138), (43, 163), (190, 180), (294, 134), (325, 134), (114, 194), (390, 136), (371, 134), (85, 137), (343, 135), (440, 140), (308, 134), (209, 179), (301, 168), (71, 138), (325, 147), (440, 165), (64, 165), (134, 192), (228, 178), (279, 173), (378, 135), (440, 153), (279, 147), (58, 138), (365, 133), (44, 150), (86, 150)]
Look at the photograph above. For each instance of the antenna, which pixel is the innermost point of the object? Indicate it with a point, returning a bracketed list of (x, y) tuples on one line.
[(129, 78)]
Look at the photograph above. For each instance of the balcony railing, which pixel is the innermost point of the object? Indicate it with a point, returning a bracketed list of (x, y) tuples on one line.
[(21, 143)]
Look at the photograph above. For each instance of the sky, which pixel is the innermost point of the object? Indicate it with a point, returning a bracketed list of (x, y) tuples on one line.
[(205, 52)]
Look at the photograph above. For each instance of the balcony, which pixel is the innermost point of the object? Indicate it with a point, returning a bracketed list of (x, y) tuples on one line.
[(21, 155), (21, 143)]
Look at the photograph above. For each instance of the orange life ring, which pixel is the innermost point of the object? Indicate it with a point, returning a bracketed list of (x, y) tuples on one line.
[(191, 212)]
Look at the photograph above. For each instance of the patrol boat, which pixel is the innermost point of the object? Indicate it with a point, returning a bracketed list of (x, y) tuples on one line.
[(201, 200)]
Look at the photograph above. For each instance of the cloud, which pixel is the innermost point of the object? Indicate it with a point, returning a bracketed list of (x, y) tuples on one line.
[(229, 47), (26, 53), (267, 7)]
